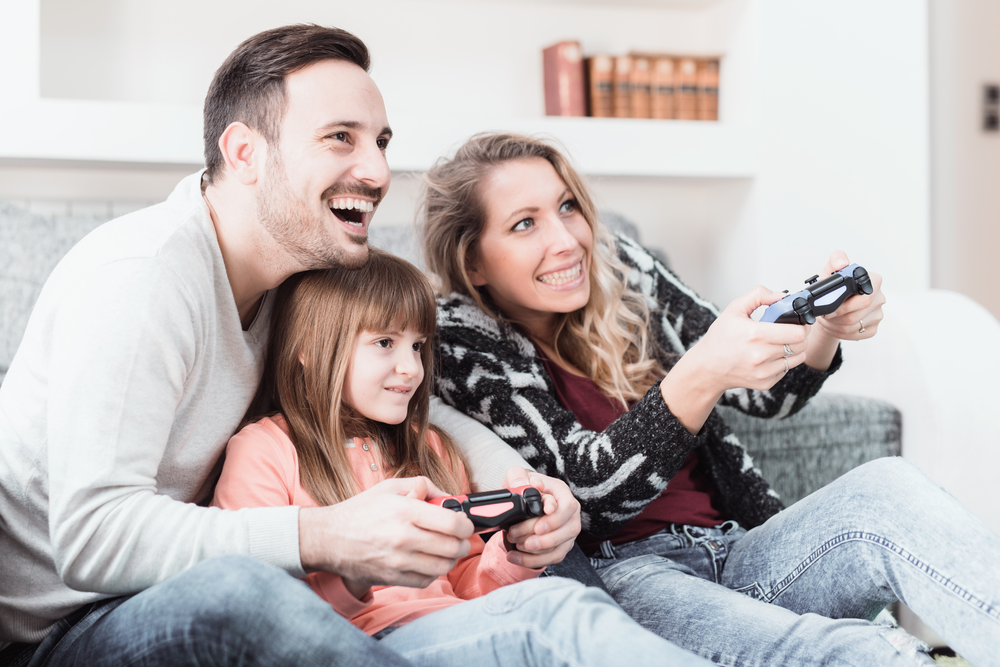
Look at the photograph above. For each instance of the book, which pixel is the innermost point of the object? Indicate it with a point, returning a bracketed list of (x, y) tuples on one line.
[(600, 86), (662, 88), (639, 92), (563, 74), (708, 90), (623, 93), (686, 89)]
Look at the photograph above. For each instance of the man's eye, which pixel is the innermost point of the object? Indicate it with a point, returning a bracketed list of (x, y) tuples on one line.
[(382, 143), (339, 136), (527, 223)]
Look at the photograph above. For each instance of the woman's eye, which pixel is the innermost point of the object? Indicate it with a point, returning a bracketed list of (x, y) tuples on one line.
[(339, 136), (568, 206), (522, 225), (384, 342)]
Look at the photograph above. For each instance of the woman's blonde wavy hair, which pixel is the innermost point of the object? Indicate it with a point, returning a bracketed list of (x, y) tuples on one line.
[(608, 339), (317, 319)]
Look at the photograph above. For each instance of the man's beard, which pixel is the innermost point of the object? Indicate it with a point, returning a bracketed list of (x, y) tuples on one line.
[(296, 228)]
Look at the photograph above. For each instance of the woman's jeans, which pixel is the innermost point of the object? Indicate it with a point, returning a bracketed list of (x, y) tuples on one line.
[(238, 611), (802, 588)]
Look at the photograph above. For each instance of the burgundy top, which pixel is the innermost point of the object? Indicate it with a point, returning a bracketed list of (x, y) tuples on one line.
[(686, 500)]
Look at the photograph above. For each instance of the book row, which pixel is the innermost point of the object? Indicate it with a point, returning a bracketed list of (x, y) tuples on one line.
[(637, 85)]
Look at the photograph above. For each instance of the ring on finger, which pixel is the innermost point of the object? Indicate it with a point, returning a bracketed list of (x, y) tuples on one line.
[(788, 351), (862, 329), (786, 365)]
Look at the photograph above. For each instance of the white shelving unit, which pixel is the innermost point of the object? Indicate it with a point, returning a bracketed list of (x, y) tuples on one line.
[(133, 126)]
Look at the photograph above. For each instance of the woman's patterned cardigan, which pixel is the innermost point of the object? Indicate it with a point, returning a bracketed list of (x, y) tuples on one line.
[(490, 371)]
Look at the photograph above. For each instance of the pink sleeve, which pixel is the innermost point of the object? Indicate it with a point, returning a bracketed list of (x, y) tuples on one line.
[(261, 470), (486, 567)]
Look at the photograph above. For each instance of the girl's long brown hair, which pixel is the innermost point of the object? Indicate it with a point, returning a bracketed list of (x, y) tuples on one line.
[(317, 320), (608, 339)]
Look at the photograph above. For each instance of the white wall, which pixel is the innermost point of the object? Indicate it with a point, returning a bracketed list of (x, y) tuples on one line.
[(966, 176), (835, 94)]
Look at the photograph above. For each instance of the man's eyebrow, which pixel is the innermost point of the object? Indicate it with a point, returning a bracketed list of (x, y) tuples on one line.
[(351, 125)]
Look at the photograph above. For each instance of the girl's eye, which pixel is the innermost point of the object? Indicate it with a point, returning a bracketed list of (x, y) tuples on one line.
[(568, 206), (418, 346), (527, 223), (384, 342)]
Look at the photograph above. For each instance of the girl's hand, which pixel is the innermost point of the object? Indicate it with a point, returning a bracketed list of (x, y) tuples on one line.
[(735, 352), (861, 311), (547, 539)]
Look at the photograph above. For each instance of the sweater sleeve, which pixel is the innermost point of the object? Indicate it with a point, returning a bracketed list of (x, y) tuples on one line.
[(261, 470), (680, 318), (120, 368), (491, 372)]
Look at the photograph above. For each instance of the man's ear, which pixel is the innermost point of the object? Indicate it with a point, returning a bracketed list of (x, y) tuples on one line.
[(243, 151)]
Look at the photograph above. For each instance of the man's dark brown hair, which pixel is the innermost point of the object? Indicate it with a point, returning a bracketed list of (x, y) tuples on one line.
[(249, 87)]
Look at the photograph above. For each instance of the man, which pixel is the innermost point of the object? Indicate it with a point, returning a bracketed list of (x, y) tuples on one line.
[(139, 361)]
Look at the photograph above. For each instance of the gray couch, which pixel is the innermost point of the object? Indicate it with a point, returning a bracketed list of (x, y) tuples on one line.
[(833, 434)]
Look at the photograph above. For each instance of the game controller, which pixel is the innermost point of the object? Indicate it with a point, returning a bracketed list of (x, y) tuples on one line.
[(819, 298), (496, 510)]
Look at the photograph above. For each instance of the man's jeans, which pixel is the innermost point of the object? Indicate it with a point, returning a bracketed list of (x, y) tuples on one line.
[(802, 588), (231, 610), (238, 611), (546, 622)]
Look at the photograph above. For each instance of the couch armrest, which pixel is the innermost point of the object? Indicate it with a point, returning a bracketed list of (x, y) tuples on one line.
[(832, 434), (937, 358)]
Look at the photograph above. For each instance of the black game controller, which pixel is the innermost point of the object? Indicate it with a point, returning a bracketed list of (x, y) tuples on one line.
[(496, 510), (819, 298)]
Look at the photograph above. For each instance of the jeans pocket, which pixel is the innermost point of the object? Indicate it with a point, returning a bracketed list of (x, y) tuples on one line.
[(755, 591)]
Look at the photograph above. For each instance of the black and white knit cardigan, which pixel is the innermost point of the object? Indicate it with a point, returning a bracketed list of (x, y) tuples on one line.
[(491, 371)]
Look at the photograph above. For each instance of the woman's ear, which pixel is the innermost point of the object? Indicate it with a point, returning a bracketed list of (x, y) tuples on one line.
[(473, 272)]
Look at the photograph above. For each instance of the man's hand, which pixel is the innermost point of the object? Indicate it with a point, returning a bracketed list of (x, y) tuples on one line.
[(386, 535), (544, 540), (861, 311)]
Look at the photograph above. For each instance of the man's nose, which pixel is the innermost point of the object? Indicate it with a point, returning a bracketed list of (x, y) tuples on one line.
[(370, 166)]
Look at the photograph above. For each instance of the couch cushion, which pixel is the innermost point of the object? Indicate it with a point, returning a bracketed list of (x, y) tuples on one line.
[(832, 434), (30, 247)]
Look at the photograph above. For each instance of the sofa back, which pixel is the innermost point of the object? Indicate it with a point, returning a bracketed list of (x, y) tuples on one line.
[(31, 245)]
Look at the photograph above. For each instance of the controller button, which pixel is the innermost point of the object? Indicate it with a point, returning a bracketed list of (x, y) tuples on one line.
[(495, 509), (810, 281), (800, 304), (452, 504)]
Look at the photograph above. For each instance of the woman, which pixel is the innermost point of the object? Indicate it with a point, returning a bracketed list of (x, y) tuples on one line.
[(600, 367)]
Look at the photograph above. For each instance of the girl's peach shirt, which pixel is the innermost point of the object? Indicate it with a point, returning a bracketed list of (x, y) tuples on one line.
[(262, 470)]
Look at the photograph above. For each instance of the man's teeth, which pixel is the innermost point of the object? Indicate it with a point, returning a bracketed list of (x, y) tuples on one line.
[(560, 277), (355, 204)]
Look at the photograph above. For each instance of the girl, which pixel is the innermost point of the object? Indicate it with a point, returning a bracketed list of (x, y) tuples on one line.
[(346, 371), (601, 367)]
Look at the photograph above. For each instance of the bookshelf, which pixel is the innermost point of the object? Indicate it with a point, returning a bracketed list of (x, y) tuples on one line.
[(125, 124)]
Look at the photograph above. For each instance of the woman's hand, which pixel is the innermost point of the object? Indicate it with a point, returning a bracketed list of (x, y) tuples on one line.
[(547, 539), (857, 318), (735, 352)]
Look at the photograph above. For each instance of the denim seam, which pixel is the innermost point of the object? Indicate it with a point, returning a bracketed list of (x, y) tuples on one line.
[(859, 536)]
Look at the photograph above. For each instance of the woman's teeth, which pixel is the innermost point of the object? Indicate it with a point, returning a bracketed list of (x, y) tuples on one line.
[(561, 277)]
